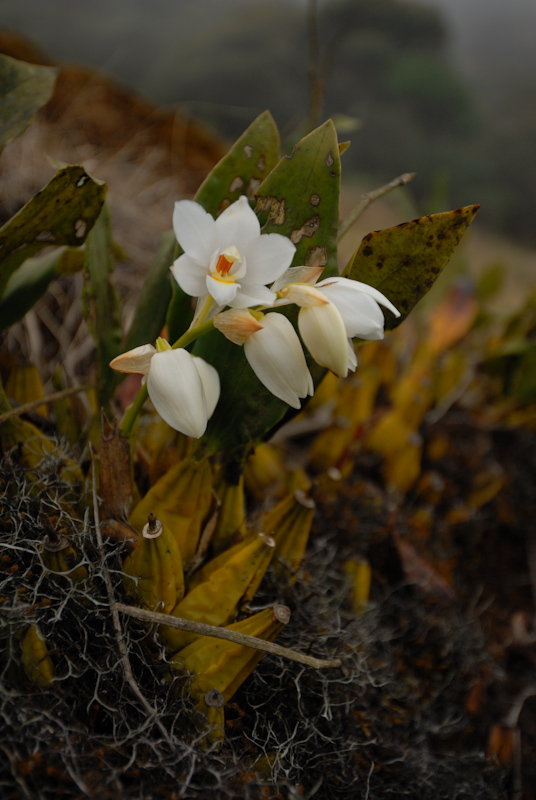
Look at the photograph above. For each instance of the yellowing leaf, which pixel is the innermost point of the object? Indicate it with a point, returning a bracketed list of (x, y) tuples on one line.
[(289, 524), (224, 665), (217, 591), (24, 385), (360, 573), (404, 262), (35, 657), (451, 321), (231, 525), (180, 500)]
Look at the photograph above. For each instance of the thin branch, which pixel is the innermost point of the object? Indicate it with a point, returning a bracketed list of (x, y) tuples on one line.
[(127, 669), (50, 398), (315, 89), (319, 70), (368, 197), (225, 633)]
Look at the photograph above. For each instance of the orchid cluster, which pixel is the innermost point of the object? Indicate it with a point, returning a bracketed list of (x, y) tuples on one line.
[(239, 276)]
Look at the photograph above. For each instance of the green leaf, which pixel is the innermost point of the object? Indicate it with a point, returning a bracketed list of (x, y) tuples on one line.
[(301, 196), (404, 262), (307, 182), (245, 409), (252, 157), (24, 89), (62, 213), (241, 171), (150, 314), (101, 304), (29, 283)]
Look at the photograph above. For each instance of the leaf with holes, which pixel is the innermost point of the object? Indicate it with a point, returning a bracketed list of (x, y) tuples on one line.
[(241, 171), (301, 199), (24, 89), (404, 262), (62, 213)]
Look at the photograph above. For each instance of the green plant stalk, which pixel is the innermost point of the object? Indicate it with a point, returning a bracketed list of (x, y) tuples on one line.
[(131, 414)]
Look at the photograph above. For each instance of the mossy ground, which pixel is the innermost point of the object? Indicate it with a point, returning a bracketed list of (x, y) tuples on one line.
[(426, 671)]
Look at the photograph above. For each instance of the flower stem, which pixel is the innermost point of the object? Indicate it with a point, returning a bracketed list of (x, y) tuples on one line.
[(193, 334), (130, 415)]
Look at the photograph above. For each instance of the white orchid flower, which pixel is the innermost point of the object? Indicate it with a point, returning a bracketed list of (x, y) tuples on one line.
[(184, 389), (273, 350), (332, 313), (227, 259)]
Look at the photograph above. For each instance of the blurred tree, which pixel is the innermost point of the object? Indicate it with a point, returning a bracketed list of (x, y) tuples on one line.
[(384, 62)]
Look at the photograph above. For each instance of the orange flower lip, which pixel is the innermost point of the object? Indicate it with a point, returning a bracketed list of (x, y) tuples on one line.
[(224, 265)]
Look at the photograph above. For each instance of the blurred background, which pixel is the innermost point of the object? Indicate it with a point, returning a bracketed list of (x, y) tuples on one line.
[(445, 88)]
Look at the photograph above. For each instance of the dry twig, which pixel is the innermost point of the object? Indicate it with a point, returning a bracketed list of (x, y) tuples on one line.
[(225, 633), (368, 197), (51, 398)]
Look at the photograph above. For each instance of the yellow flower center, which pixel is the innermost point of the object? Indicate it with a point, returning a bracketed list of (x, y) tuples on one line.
[(223, 266)]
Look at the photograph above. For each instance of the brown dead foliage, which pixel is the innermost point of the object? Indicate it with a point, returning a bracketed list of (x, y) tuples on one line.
[(148, 156)]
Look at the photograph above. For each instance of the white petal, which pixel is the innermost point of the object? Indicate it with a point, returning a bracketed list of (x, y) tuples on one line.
[(324, 334), (237, 325), (361, 314), (237, 225), (298, 275), (253, 296), (211, 383), (223, 292), (276, 357), (195, 230), (176, 390), (304, 295), (352, 358), (268, 257), (137, 360), (357, 286), (190, 275)]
